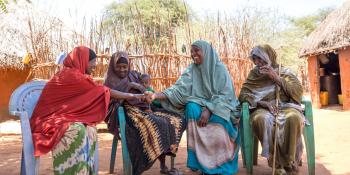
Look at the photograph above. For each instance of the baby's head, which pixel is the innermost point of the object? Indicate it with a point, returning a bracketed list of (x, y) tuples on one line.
[(145, 80)]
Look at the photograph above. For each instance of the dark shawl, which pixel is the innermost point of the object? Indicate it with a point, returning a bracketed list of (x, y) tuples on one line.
[(113, 81)]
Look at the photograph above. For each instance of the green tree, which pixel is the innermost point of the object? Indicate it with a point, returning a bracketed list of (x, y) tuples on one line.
[(152, 12), (153, 17), (286, 34), (3, 5), (310, 22)]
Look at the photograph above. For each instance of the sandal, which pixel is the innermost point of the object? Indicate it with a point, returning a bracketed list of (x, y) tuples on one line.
[(175, 171), (193, 170), (164, 170)]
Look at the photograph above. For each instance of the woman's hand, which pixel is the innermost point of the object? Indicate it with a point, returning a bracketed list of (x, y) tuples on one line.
[(137, 86), (268, 70), (126, 96), (140, 97), (270, 106), (205, 115), (150, 96)]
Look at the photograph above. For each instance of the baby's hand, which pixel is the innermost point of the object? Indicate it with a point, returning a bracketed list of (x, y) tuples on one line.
[(149, 97)]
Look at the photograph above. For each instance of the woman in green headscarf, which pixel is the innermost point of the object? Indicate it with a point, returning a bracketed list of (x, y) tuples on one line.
[(205, 94), (259, 90)]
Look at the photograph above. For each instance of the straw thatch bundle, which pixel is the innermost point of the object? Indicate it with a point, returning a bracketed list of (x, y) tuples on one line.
[(10, 42), (333, 33), (9, 61)]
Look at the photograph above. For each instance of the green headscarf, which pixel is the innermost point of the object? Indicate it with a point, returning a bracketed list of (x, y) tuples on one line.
[(208, 84), (258, 87)]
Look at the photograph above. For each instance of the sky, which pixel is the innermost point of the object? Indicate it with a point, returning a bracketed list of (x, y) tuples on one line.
[(293, 8), (73, 11)]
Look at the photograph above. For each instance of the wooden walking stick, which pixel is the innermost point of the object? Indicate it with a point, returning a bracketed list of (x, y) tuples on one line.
[(276, 124)]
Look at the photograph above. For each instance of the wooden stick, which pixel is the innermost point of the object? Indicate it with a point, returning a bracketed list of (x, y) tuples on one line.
[(276, 124)]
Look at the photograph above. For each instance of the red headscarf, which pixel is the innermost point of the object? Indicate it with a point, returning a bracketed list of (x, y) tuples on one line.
[(70, 96)]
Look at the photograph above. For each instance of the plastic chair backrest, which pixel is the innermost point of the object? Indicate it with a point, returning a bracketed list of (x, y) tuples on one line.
[(25, 97), (22, 104)]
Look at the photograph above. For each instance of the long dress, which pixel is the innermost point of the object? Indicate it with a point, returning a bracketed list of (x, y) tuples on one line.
[(148, 134), (290, 120), (63, 121), (212, 149)]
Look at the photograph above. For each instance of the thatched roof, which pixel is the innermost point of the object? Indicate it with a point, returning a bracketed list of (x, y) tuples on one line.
[(15, 35), (332, 34), (11, 34)]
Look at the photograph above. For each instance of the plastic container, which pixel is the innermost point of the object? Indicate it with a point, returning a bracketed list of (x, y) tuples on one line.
[(324, 98), (26, 59), (340, 99)]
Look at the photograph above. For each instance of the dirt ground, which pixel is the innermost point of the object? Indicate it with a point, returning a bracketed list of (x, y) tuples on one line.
[(331, 136)]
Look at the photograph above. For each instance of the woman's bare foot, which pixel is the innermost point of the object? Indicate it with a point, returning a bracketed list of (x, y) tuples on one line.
[(163, 168)]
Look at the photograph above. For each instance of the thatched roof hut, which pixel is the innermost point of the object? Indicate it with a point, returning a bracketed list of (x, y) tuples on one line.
[(327, 50), (333, 33), (10, 61), (12, 71), (12, 74), (11, 42)]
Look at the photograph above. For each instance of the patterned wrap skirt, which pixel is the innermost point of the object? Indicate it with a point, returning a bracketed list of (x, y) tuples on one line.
[(150, 135), (74, 154)]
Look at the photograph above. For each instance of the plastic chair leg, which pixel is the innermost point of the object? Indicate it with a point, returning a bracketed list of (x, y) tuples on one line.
[(309, 139), (96, 157), (37, 165), (23, 165), (255, 153), (248, 139), (113, 154), (127, 167)]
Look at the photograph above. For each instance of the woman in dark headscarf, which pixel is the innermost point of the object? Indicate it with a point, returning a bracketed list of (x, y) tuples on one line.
[(69, 107), (259, 90), (149, 135)]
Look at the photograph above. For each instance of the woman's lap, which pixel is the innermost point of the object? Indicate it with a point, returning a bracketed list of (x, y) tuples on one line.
[(211, 149), (290, 124), (151, 134), (74, 154)]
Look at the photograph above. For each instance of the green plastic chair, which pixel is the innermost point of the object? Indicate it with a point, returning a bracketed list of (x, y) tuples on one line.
[(127, 167), (250, 142)]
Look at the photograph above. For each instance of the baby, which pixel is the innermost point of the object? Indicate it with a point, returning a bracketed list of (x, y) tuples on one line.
[(146, 82)]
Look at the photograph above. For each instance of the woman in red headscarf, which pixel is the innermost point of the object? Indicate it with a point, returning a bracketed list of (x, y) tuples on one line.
[(69, 107)]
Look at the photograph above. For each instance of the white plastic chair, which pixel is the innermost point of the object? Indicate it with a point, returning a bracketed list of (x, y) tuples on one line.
[(22, 104)]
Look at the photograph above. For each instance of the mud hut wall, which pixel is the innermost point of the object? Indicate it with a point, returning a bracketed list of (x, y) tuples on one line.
[(10, 79), (313, 68), (344, 63)]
